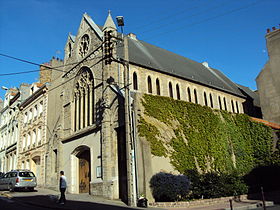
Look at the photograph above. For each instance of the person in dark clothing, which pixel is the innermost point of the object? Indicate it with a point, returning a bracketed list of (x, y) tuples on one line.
[(62, 187)]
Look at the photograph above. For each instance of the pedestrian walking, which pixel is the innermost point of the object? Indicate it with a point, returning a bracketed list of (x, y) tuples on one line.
[(62, 187)]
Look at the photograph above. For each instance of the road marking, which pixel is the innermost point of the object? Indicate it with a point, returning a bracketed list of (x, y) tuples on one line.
[(6, 199)]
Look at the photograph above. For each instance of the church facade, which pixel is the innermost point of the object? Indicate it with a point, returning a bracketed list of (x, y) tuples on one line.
[(92, 134)]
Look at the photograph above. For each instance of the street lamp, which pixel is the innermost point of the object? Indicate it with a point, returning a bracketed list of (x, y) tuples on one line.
[(120, 22)]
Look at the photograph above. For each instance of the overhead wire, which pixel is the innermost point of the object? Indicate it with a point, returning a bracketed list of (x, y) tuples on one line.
[(38, 70), (26, 61), (167, 16), (55, 68), (207, 10), (182, 27)]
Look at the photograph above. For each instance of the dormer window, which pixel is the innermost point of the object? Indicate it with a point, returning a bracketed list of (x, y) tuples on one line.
[(84, 45)]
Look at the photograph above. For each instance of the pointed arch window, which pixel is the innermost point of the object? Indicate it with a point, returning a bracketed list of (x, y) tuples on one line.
[(220, 103), (178, 92), (84, 99), (135, 81), (69, 50), (195, 96), (205, 99), (237, 109), (170, 90), (189, 94), (211, 100), (232, 106), (225, 103), (150, 90), (158, 86)]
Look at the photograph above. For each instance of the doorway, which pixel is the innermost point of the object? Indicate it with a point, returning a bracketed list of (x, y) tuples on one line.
[(36, 168), (84, 170), (122, 168)]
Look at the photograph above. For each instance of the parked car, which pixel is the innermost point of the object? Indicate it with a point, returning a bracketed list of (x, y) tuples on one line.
[(18, 179)]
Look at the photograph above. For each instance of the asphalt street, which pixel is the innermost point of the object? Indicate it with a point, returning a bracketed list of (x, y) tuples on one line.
[(11, 204), (47, 199)]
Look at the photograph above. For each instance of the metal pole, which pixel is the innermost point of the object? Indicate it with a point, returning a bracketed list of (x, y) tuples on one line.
[(230, 203), (263, 199), (129, 146)]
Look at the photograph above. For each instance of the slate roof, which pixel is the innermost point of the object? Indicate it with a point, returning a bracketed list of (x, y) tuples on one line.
[(252, 94), (153, 57)]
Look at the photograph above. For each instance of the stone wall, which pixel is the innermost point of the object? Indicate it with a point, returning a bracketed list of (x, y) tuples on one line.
[(164, 79), (196, 203)]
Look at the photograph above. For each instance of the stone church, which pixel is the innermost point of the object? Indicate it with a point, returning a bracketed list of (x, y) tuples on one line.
[(91, 135)]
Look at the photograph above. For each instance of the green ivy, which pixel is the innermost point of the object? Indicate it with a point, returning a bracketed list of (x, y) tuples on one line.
[(151, 132), (213, 140)]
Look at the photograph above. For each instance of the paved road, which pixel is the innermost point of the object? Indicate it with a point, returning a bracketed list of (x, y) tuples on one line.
[(46, 199), (10, 204)]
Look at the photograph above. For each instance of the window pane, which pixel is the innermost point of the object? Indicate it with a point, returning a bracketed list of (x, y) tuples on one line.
[(26, 174)]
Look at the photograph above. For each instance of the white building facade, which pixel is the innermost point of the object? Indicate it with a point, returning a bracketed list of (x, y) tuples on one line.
[(32, 141)]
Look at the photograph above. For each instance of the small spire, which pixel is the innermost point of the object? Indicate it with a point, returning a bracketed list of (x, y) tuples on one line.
[(109, 23)]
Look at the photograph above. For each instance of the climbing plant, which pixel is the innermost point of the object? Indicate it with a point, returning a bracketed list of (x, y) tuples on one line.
[(205, 139)]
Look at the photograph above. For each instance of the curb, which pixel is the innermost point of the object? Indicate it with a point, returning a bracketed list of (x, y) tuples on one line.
[(253, 206), (7, 195)]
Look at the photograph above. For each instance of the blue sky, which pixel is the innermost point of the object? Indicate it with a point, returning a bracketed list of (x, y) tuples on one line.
[(228, 34)]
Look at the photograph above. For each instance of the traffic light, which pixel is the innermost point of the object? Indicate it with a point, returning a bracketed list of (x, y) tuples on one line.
[(108, 47)]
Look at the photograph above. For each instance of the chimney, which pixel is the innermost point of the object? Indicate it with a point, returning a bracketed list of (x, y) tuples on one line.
[(267, 30), (205, 64), (132, 36)]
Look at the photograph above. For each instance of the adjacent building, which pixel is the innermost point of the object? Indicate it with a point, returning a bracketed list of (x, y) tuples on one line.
[(268, 79), (9, 127), (32, 143)]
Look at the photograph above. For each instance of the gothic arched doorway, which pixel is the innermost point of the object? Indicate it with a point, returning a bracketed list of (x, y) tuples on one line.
[(84, 169)]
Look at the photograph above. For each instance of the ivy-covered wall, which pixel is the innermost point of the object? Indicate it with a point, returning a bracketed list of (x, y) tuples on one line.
[(204, 139)]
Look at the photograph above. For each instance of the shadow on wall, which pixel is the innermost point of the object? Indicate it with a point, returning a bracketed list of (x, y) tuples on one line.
[(266, 177)]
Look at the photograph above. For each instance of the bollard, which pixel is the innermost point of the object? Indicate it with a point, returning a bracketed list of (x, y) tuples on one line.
[(230, 203), (263, 200), (142, 202)]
